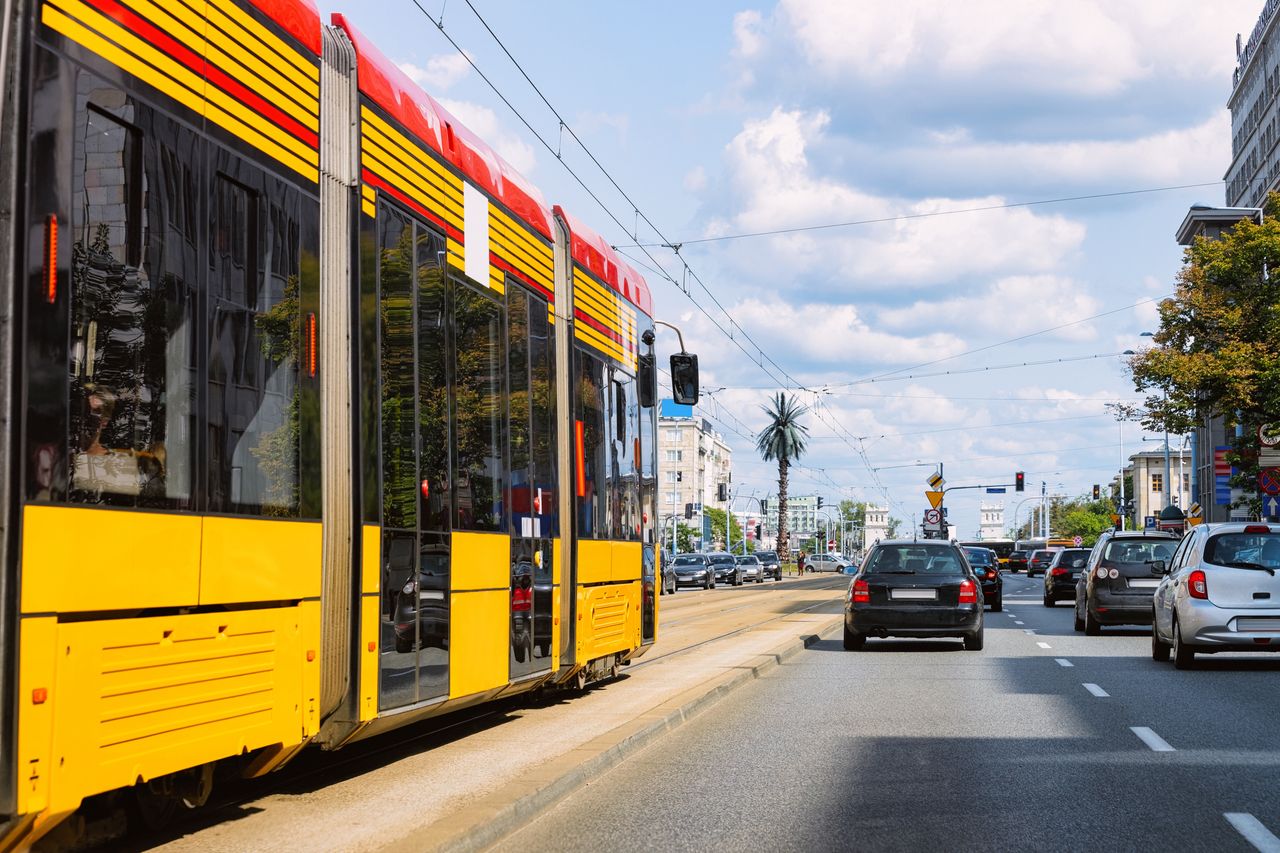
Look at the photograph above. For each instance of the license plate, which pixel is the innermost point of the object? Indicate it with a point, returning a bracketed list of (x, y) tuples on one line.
[(913, 594), (1143, 583)]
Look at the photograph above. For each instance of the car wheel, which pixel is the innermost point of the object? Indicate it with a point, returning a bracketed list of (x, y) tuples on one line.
[(404, 644), (1159, 648), (998, 604), (1091, 626), (973, 642), (1048, 600), (1078, 623), (1184, 657), (853, 642)]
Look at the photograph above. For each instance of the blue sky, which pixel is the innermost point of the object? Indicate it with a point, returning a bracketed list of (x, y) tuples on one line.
[(720, 118)]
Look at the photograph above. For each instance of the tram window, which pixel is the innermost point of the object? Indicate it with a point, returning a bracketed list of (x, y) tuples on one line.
[(399, 443), (522, 489), (433, 382), (254, 325), (479, 407), (592, 477), (542, 355), (132, 276)]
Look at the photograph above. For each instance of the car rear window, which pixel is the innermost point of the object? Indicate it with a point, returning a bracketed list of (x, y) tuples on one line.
[(979, 557), (917, 558), (1070, 555), (768, 559), (1139, 550), (688, 561), (1244, 550)]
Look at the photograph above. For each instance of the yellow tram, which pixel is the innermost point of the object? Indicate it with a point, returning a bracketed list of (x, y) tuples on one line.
[(321, 420)]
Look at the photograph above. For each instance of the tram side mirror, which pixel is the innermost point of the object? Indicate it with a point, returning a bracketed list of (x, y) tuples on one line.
[(647, 378), (684, 378), (1159, 567)]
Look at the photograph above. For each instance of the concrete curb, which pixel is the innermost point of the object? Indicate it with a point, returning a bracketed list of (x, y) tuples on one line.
[(484, 830)]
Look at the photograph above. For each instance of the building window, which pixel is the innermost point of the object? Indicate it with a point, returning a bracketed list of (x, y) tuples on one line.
[(675, 456), (675, 436), (1157, 482)]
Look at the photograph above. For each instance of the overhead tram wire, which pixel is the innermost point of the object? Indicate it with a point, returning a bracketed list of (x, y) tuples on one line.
[(929, 215), (761, 356)]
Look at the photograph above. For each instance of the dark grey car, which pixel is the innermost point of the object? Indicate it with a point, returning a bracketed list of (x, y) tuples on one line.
[(726, 568), (1116, 587), (693, 570)]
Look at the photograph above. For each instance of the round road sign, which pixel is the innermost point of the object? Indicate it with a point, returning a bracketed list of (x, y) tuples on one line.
[(1079, 540), (1269, 481), (932, 516), (1269, 435)]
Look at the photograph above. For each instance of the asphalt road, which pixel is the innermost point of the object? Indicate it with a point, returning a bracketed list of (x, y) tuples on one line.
[(1047, 740)]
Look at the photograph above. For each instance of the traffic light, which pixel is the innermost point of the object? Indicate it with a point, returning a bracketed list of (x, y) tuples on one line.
[(1097, 491), (819, 503), (758, 537), (722, 491), (688, 510), (1019, 482)]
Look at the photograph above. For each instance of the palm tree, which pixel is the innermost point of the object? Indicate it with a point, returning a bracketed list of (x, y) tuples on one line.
[(783, 439)]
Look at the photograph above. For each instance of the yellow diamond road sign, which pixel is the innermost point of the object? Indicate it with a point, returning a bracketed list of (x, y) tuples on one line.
[(936, 481), (935, 499)]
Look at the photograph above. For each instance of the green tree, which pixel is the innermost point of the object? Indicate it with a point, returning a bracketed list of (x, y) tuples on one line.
[(684, 538), (718, 526), (1216, 352), (783, 440), (895, 524)]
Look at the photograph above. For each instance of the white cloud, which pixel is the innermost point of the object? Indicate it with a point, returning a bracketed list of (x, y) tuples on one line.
[(747, 36), (1011, 306), (1088, 47), (483, 122), (695, 179), (441, 72), (770, 171)]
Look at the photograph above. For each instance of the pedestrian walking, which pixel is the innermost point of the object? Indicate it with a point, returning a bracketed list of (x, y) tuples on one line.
[(800, 561)]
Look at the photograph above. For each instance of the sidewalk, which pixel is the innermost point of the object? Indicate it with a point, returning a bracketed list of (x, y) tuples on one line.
[(466, 794)]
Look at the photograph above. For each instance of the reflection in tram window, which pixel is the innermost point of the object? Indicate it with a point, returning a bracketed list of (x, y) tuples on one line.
[(479, 410), (542, 354)]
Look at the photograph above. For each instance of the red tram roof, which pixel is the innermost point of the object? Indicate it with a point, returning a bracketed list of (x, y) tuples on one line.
[(382, 81), (598, 256), (299, 18)]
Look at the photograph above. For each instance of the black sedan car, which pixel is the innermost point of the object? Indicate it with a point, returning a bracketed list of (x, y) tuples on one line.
[(693, 570), (986, 565), (726, 568), (1018, 561), (769, 565), (1063, 574), (1038, 562), (914, 589), (668, 583), (1117, 586)]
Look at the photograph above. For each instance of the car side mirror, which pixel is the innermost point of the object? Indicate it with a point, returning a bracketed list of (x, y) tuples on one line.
[(1159, 567), (684, 378)]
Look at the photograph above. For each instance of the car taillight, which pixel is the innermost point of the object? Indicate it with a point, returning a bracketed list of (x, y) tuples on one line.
[(860, 592), (990, 574), (1198, 585), (968, 592), (1058, 572), (1101, 573), (1257, 528)]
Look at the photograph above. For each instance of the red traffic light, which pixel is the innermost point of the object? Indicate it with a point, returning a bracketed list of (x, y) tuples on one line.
[(1019, 482)]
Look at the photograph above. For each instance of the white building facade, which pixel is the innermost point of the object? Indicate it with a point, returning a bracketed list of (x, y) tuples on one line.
[(875, 524), (991, 521), (693, 461), (1150, 486)]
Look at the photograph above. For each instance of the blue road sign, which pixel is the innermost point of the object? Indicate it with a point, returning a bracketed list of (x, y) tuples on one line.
[(995, 490), (1149, 522)]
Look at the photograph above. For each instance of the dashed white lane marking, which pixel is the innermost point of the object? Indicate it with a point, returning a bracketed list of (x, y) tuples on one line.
[(1044, 645), (1028, 630), (1018, 622), (1064, 662), (1253, 831), (1096, 690), (1151, 739)]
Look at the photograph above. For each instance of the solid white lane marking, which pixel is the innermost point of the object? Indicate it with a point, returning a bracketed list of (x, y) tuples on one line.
[(1253, 831), (1151, 739), (1096, 691), (1044, 645), (1064, 662)]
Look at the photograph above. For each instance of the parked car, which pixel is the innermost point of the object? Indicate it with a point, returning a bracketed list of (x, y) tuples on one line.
[(770, 566), (726, 568), (986, 565), (1117, 585), (1064, 573), (668, 585), (421, 617), (1018, 561), (826, 563), (1038, 562), (1219, 592), (914, 589), (693, 570), (751, 568)]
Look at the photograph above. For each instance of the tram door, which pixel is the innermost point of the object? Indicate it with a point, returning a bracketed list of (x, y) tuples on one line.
[(531, 439), (414, 395)]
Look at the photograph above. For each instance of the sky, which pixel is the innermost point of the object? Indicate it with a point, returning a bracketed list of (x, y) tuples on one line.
[(688, 123)]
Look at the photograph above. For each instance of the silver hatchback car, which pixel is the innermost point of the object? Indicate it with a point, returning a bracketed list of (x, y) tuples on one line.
[(1219, 593)]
